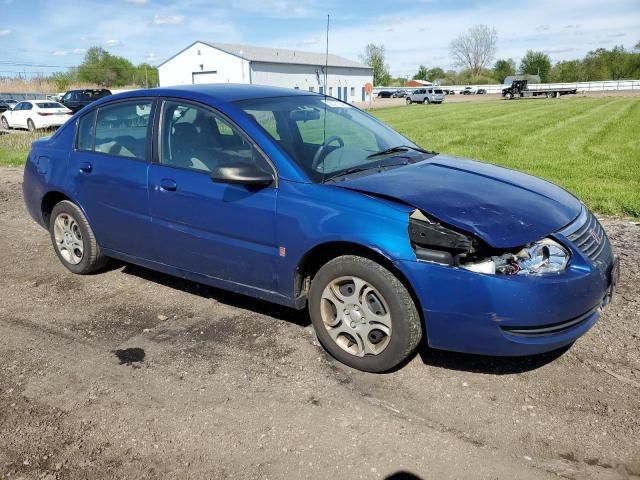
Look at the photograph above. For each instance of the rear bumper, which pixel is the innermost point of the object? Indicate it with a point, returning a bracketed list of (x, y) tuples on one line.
[(507, 315), (52, 122)]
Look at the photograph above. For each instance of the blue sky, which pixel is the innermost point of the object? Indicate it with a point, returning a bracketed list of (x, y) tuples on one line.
[(50, 35)]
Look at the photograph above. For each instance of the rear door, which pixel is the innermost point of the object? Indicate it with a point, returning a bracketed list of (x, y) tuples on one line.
[(219, 230), (110, 165)]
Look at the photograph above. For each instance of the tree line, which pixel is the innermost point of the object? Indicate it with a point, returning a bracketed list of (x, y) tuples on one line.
[(101, 68), (474, 53)]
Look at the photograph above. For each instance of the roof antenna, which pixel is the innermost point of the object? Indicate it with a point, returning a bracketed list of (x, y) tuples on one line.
[(324, 126)]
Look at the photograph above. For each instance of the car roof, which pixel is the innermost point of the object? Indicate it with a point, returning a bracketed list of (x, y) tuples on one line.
[(221, 92)]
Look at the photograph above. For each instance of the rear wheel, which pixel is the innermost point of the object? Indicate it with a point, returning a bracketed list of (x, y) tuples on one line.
[(363, 315), (73, 239), (426, 101), (408, 101), (5, 124), (31, 126)]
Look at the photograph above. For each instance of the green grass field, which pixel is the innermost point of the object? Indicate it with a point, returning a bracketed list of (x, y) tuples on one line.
[(14, 147), (590, 146)]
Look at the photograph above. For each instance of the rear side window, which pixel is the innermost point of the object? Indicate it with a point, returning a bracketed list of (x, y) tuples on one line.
[(121, 129), (86, 131)]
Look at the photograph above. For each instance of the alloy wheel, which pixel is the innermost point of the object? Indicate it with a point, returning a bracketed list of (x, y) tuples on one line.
[(356, 316), (68, 238)]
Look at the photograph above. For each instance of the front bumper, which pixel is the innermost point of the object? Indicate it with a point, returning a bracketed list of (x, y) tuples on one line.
[(510, 315)]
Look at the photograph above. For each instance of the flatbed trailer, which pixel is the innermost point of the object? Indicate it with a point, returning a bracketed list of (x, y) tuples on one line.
[(519, 89)]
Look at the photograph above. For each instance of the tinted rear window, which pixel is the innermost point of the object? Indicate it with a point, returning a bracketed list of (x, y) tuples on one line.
[(49, 105), (438, 91)]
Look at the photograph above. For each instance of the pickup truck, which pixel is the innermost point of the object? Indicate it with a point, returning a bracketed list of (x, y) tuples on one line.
[(426, 96), (75, 100)]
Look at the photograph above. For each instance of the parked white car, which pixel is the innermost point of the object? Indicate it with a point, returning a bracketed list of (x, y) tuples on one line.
[(35, 114)]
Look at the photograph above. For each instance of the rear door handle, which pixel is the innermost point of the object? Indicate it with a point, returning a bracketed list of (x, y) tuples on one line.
[(85, 167), (168, 184)]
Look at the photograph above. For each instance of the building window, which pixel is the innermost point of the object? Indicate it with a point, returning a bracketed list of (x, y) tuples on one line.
[(199, 52), (331, 91), (353, 91), (311, 89)]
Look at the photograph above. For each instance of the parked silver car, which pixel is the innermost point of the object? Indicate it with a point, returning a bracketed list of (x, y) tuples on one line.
[(426, 95)]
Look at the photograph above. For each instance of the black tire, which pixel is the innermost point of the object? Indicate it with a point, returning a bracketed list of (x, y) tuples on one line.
[(508, 96), (408, 101), (406, 325), (426, 101), (31, 126), (5, 124), (92, 258)]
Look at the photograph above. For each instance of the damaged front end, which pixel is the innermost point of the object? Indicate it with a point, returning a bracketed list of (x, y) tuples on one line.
[(434, 242)]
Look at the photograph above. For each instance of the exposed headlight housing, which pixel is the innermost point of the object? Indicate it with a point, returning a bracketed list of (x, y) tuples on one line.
[(543, 257)]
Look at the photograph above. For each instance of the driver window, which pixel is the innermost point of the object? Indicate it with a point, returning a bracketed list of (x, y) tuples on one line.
[(197, 138)]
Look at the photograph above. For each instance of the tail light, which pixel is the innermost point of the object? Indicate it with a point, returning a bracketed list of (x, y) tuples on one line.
[(44, 114)]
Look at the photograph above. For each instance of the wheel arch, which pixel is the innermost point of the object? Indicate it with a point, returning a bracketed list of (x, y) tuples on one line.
[(49, 201), (322, 253)]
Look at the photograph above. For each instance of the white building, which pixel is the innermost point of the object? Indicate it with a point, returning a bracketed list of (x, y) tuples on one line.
[(207, 62)]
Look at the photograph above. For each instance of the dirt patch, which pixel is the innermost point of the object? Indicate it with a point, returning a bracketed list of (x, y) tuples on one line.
[(232, 387)]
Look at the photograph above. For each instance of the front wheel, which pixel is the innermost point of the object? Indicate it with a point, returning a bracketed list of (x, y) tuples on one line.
[(73, 239), (408, 101), (5, 124), (363, 315), (508, 96)]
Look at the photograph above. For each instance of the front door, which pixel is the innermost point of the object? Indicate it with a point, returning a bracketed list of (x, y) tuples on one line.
[(19, 115), (110, 166), (219, 230)]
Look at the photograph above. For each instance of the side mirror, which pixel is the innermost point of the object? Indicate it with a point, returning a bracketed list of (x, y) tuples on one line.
[(242, 174)]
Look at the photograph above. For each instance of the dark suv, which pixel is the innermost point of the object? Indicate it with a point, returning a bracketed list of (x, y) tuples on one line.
[(74, 100)]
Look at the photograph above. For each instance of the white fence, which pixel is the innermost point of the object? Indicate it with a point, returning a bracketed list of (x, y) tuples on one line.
[(607, 85)]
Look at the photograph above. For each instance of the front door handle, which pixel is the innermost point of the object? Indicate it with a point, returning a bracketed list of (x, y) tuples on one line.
[(168, 184), (85, 167)]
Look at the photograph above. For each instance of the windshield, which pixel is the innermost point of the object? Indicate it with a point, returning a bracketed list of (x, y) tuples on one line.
[(352, 137)]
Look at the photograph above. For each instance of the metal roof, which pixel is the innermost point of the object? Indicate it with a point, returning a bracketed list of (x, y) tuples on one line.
[(279, 55)]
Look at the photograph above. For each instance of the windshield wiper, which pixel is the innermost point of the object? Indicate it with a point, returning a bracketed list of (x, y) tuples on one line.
[(398, 148), (349, 171)]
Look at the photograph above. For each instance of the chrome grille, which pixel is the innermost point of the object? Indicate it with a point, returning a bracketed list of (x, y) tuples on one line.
[(589, 237)]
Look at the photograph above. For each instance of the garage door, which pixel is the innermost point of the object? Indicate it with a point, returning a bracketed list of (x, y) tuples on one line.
[(198, 78)]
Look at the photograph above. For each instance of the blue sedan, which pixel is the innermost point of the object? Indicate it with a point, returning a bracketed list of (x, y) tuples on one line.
[(306, 201)]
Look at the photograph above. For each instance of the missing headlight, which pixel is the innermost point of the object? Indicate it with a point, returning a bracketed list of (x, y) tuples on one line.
[(434, 242)]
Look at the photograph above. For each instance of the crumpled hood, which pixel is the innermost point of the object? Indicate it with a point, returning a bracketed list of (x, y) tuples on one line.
[(503, 207)]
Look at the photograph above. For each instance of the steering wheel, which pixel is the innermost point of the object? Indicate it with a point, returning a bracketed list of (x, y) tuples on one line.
[(328, 141)]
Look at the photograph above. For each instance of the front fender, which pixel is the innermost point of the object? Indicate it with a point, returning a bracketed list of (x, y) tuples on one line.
[(310, 215)]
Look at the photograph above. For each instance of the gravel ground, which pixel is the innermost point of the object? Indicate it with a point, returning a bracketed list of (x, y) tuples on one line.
[(231, 387)]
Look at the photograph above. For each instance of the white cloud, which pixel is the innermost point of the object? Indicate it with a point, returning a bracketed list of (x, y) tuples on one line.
[(5, 32), (59, 53), (138, 2), (112, 42), (79, 51), (167, 19)]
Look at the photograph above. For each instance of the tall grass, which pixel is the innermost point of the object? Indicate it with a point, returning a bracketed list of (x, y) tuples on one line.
[(41, 85), (590, 146)]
